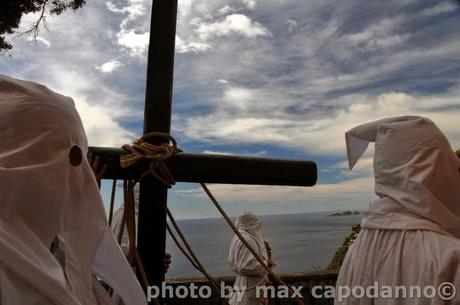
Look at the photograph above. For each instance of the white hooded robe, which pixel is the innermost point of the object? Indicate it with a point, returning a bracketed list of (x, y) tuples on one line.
[(44, 197), (244, 264), (118, 218), (410, 235)]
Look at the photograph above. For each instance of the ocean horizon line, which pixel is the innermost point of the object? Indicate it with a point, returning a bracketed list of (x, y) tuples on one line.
[(278, 214)]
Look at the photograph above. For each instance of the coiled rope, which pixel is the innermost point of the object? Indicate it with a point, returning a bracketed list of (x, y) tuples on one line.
[(129, 220), (190, 255), (158, 155)]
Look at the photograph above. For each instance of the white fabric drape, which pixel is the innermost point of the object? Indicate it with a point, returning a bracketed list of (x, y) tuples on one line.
[(243, 263), (116, 228), (118, 217), (410, 235), (44, 197)]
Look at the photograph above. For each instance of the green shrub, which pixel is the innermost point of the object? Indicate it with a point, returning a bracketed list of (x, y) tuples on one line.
[(339, 256)]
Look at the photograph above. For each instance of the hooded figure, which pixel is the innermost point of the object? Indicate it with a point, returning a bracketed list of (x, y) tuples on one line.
[(116, 227), (118, 218), (244, 264), (48, 193), (124, 244), (411, 235)]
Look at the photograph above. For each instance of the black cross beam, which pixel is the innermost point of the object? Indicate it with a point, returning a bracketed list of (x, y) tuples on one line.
[(185, 167)]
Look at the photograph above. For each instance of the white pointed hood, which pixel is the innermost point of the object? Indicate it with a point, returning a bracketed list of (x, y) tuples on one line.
[(250, 223), (44, 196), (416, 175), (240, 259)]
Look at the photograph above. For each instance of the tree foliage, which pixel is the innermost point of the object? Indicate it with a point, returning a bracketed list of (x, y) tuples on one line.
[(339, 256), (11, 12)]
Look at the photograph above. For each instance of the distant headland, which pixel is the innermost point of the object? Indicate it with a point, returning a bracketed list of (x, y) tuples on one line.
[(346, 213)]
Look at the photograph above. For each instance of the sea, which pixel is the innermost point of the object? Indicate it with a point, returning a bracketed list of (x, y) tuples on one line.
[(300, 242)]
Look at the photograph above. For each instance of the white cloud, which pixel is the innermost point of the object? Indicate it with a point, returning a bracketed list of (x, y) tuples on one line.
[(234, 122), (77, 42), (132, 36), (183, 9), (39, 39), (196, 36), (364, 166), (136, 42), (109, 67), (251, 4), (292, 24), (135, 8), (440, 8), (383, 34), (300, 91), (349, 194), (194, 47), (223, 153), (101, 127), (227, 10), (232, 24), (99, 119), (239, 98), (226, 153)]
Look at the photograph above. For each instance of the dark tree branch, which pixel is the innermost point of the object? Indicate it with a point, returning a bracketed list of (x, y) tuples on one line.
[(35, 28), (11, 12)]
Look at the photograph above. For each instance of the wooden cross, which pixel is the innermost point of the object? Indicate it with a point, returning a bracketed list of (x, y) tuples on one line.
[(185, 167)]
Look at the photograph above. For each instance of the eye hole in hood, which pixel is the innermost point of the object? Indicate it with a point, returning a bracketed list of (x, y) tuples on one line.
[(75, 156)]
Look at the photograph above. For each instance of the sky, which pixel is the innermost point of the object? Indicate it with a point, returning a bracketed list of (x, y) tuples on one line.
[(269, 78)]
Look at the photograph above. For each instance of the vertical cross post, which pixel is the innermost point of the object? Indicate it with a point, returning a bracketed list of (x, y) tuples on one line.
[(157, 117)]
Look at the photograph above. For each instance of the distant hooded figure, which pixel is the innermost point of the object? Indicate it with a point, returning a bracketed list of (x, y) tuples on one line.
[(49, 196), (244, 264), (117, 222), (410, 236), (118, 219)]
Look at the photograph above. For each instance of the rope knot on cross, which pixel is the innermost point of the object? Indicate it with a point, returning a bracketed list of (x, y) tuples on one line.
[(156, 154)]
